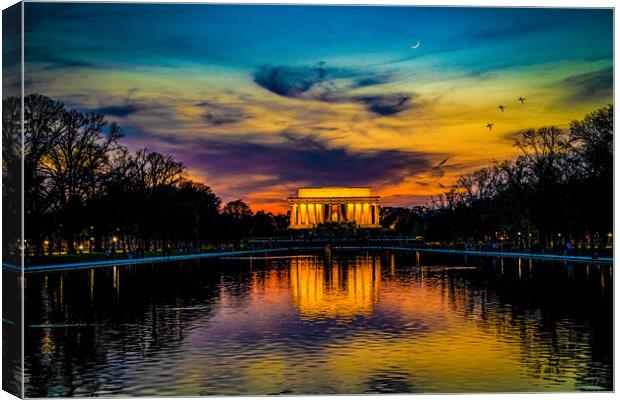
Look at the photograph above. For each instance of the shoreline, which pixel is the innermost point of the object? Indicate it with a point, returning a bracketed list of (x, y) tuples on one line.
[(183, 257)]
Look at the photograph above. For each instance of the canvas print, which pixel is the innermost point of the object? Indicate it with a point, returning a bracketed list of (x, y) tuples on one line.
[(237, 199)]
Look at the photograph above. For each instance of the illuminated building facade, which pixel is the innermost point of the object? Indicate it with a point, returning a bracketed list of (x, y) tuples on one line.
[(314, 206)]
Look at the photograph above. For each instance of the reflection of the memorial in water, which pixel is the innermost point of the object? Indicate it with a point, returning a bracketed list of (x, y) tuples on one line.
[(333, 289)]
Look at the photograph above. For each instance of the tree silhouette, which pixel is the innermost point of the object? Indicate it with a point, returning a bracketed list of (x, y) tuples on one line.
[(11, 179), (559, 187), (82, 187)]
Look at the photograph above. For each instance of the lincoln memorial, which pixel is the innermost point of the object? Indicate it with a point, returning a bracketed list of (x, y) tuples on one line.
[(314, 206)]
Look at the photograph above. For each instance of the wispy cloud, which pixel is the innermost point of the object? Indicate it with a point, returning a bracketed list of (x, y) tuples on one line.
[(589, 86), (372, 80), (387, 104), (217, 114), (119, 110), (128, 106), (292, 82), (320, 84)]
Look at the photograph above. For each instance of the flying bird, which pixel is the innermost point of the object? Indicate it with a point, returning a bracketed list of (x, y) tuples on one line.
[(501, 107), (490, 126), (415, 46), (439, 168), (521, 99), (445, 160)]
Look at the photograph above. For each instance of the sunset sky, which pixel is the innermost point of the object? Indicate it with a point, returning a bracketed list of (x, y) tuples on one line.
[(260, 100)]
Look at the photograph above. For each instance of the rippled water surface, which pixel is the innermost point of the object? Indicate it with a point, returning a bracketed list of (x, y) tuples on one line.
[(350, 323)]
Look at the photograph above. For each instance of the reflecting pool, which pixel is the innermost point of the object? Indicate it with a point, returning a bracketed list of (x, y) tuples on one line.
[(378, 322)]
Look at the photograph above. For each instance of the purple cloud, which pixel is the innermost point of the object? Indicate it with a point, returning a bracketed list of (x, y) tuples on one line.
[(303, 159)]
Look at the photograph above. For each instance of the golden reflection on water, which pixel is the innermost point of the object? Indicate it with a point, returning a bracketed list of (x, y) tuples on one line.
[(116, 281), (332, 290), (47, 345), (62, 288), (92, 284)]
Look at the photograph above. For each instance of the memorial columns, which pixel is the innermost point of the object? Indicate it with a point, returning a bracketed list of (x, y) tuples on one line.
[(294, 214), (365, 214), (350, 212), (339, 205), (358, 212), (311, 214), (304, 215)]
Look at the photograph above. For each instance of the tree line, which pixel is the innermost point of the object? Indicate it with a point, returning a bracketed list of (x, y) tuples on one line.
[(83, 188), (559, 189)]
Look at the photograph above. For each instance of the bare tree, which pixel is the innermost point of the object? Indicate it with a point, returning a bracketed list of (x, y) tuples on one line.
[(74, 167)]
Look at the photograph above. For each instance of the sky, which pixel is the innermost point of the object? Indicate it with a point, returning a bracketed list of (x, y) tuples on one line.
[(258, 101)]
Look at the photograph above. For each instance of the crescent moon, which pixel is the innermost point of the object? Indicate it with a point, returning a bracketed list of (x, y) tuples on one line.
[(416, 45)]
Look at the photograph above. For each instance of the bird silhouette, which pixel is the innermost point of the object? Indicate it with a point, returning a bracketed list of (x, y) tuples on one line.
[(521, 99), (490, 126), (438, 170), (501, 107)]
